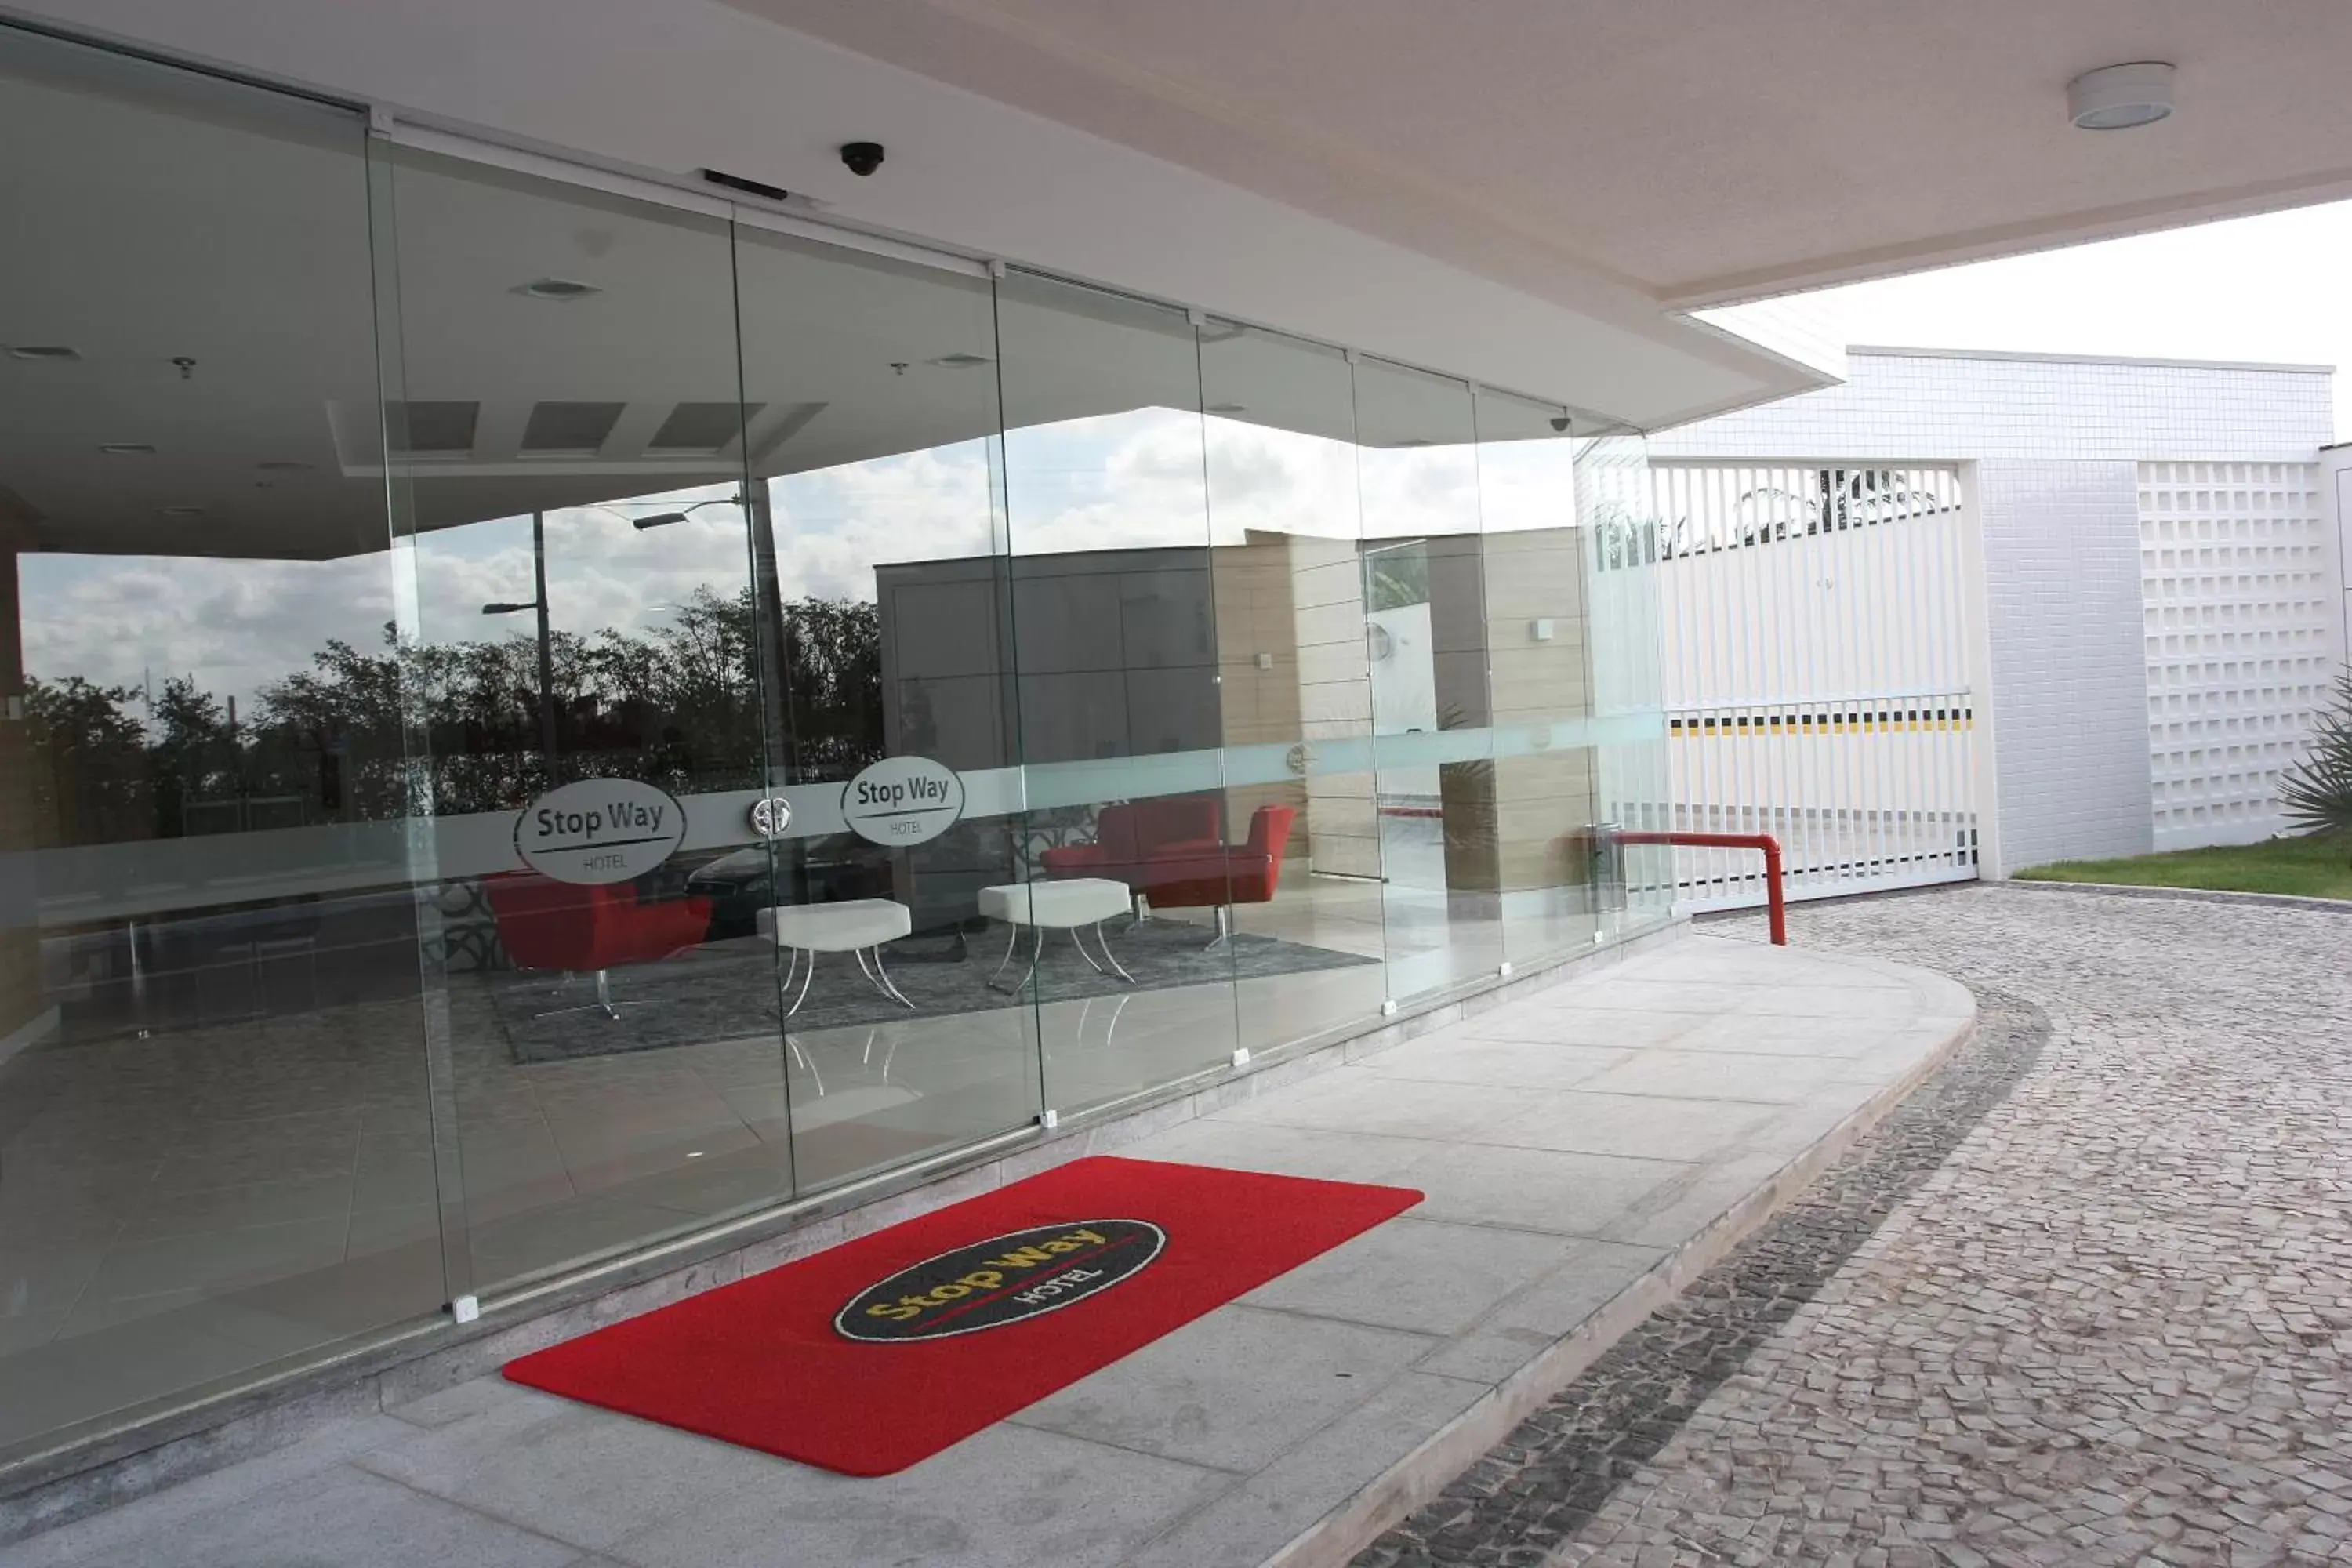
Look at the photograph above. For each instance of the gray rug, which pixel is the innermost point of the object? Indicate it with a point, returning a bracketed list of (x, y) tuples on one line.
[(729, 990)]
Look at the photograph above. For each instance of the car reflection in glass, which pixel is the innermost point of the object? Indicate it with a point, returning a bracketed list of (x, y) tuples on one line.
[(743, 882)]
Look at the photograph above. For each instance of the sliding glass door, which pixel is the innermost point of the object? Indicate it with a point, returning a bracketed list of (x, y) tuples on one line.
[(215, 1137), (881, 563), (1426, 632), (582, 657)]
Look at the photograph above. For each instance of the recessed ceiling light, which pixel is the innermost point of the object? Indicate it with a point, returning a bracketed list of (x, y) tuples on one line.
[(43, 350), (127, 450), (1228, 408), (184, 511), (283, 465), (961, 361), (561, 289), (2118, 98)]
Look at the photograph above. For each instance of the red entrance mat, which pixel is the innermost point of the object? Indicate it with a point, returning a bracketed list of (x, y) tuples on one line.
[(886, 1350)]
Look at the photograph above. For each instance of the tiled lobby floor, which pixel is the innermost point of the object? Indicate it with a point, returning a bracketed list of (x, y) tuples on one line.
[(1569, 1143)]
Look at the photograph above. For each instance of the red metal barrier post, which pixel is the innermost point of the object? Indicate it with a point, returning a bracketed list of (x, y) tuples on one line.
[(1764, 841)]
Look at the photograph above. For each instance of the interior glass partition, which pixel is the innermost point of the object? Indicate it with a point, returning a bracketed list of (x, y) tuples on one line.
[(1424, 596), (212, 1076), (880, 554), (1295, 682), (1116, 660), (581, 648)]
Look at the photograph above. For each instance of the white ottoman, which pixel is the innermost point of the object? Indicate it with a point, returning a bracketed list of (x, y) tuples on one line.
[(854, 925), (1064, 904)]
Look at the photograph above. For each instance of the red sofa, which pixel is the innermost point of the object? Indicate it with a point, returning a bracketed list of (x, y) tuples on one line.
[(1130, 835), (1219, 874), (546, 924), (1172, 852)]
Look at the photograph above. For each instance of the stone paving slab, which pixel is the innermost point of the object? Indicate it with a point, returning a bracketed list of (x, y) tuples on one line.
[(1533, 1492), (1288, 1424), (2112, 1324)]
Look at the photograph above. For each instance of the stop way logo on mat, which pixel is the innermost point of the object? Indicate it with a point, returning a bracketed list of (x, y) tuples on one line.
[(1005, 1279)]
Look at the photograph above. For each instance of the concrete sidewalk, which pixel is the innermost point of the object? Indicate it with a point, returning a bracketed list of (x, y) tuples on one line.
[(1584, 1150)]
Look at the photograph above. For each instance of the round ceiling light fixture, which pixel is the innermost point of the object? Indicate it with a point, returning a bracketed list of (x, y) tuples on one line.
[(2119, 97)]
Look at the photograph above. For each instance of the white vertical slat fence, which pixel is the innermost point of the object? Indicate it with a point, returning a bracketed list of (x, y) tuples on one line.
[(1817, 679)]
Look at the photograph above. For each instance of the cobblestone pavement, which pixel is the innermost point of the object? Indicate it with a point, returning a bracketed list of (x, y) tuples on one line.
[(2113, 1325)]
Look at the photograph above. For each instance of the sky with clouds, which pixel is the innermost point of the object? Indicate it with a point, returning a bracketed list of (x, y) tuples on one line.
[(1141, 478)]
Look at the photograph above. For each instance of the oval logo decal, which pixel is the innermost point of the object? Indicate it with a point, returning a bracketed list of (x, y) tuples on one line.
[(1005, 1279), (903, 800), (599, 830)]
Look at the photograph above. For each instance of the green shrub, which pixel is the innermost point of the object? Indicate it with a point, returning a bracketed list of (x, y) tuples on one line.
[(2316, 792)]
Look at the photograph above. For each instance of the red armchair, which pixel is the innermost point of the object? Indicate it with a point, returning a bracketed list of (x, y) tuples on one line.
[(1170, 851), (1195, 876), (550, 925), (1129, 836)]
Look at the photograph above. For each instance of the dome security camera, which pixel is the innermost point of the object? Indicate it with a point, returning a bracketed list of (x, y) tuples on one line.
[(861, 158), (1561, 422)]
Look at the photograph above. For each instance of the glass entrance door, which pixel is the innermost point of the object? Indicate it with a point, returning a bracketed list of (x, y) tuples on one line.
[(1426, 637), (587, 669), (881, 570)]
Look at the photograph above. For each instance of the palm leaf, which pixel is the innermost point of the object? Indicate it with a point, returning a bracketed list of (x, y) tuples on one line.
[(2316, 792)]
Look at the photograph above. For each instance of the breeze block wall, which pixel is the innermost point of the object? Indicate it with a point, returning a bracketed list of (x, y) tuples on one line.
[(2237, 571)]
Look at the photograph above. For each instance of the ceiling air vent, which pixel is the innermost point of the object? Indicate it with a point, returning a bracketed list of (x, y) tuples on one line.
[(570, 429), (428, 429), (701, 429), (562, 291), (749, 187)]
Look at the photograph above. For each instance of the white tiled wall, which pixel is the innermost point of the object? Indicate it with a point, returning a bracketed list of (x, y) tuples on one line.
[(2089, 761), (2069, 690), (1940, 406)]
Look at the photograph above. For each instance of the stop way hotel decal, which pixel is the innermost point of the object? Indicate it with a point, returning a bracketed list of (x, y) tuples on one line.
[(598, 831), (1005, 1279), (903, 801)]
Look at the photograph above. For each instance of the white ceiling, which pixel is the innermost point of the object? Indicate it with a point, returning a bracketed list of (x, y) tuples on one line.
[(1700, 151), (666, 89)]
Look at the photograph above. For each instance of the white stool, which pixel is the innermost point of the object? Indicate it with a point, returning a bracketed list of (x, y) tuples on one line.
[(1064, 904), (855, 925)]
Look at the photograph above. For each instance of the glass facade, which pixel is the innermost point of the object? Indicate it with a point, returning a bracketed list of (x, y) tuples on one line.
[(538, 720)]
